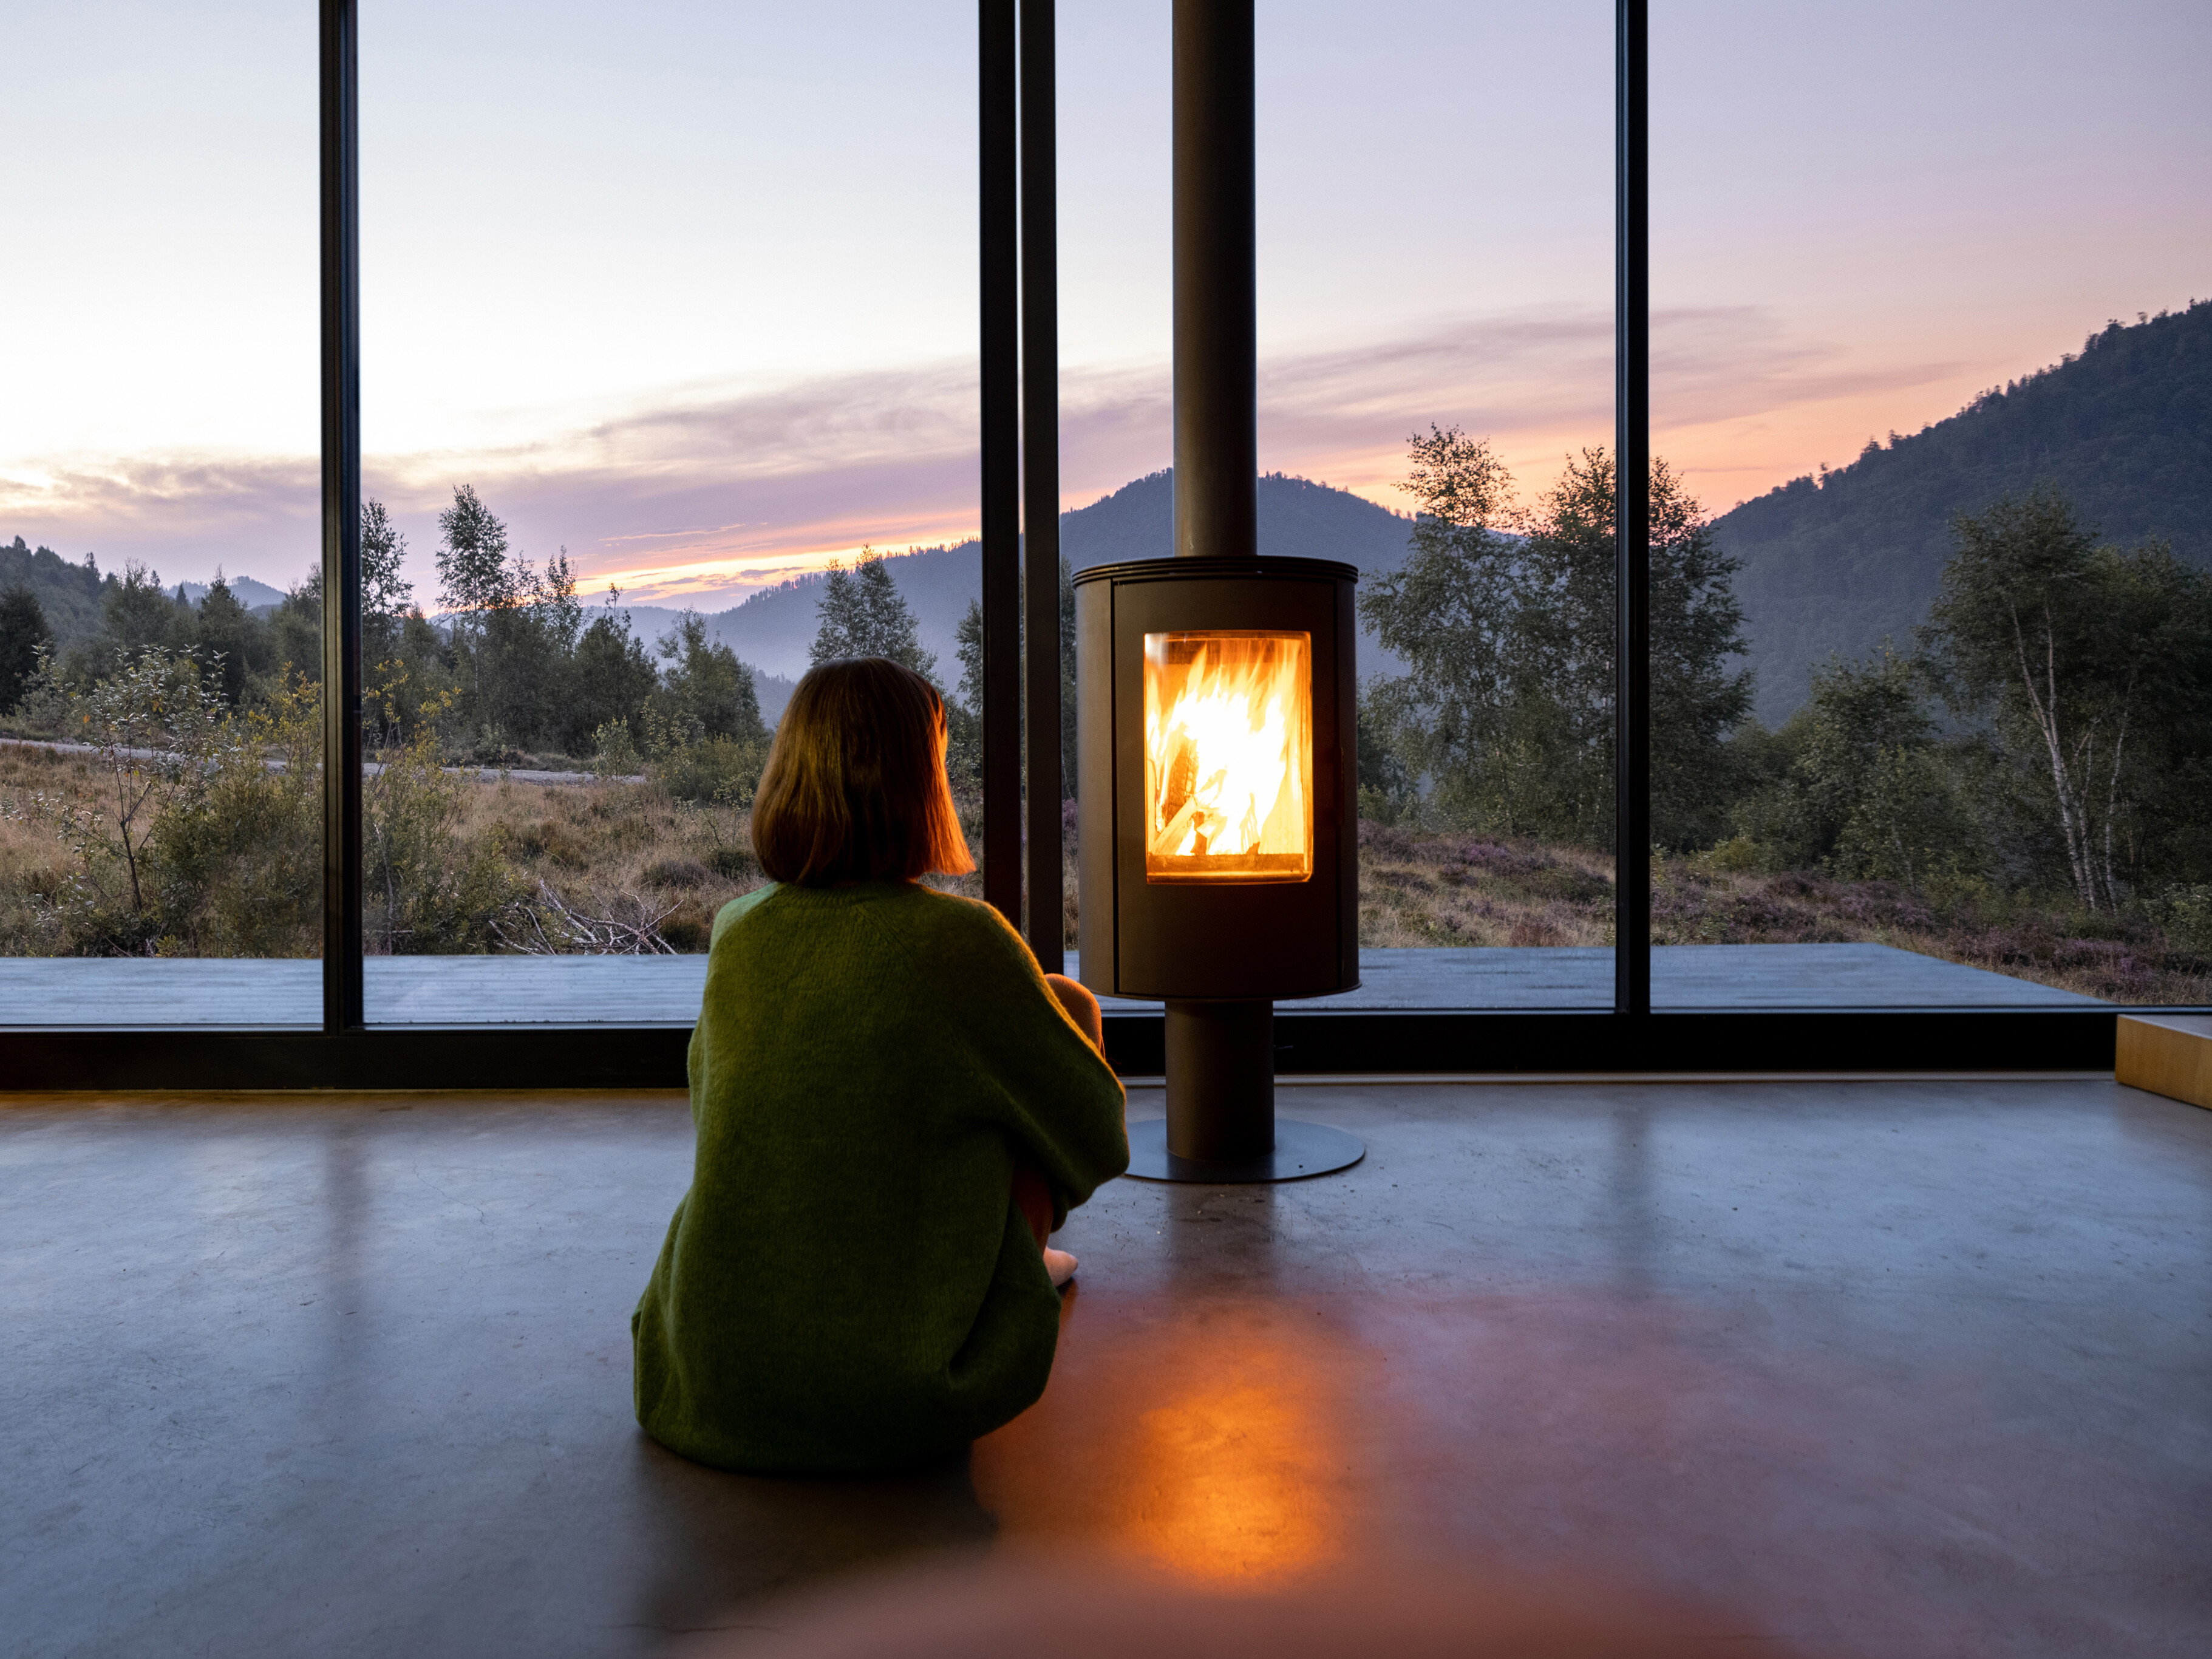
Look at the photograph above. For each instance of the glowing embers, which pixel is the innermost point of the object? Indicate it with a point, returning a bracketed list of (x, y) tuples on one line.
[(1228, 756)]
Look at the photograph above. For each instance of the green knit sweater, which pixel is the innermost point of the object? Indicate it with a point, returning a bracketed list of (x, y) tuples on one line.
[(848, 1285)]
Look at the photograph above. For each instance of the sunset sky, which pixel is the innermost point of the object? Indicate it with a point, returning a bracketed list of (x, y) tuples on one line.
[(690, 288)]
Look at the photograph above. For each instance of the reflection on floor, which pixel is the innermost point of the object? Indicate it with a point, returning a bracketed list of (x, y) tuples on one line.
[(1889, 1368), (449, 991)]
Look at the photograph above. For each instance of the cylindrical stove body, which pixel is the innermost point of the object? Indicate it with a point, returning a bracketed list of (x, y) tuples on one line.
[(1244, 933)]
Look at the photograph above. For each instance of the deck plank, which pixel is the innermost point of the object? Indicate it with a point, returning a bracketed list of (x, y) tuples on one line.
[(82, 993)]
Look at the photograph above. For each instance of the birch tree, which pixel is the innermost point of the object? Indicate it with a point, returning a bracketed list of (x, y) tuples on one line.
[(2080, 653)]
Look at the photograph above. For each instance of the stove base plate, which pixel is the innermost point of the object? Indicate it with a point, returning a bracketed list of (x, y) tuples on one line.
[(1302, 1152)]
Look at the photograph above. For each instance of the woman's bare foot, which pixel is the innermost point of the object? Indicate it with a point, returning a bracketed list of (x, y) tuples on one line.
[(1061, 1265)]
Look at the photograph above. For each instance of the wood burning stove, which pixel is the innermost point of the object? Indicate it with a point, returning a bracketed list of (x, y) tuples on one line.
[(1217, 855)]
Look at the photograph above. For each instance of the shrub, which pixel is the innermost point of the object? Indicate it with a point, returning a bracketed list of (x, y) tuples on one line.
[(722, 770)]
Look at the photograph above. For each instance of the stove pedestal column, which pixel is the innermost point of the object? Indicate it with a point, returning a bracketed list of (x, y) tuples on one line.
[(1221, 1081), (1221, 1126)]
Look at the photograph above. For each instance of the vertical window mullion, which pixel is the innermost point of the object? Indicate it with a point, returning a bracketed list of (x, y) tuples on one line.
[(1001, 481), (1041, 479), (1632, 528), (341, 562)]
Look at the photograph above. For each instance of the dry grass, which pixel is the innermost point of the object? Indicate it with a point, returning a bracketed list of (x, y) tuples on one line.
[(32, 861), (2124, 958), (600, 845), (607, 847), (1477, 891), (1433, 890)]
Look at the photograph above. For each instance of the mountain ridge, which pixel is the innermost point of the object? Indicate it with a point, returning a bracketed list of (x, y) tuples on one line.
[(1840, 561)]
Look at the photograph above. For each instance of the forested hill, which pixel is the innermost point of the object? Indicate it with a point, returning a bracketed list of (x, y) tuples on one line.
[(70, 595), (1298, 517), (2124, 429)]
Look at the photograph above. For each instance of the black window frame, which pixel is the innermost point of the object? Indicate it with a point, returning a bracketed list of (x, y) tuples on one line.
[(1019, 462)]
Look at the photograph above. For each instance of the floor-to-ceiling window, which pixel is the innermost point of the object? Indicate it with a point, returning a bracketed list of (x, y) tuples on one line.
[(669, 389), (1928, 353), (160, 605), (1436, 338)]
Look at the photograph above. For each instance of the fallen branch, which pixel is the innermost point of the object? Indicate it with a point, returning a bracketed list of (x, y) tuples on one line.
[(548, 927)]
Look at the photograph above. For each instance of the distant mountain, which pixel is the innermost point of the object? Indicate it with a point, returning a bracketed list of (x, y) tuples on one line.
[(253, 595), (1298, 519), (2124, 428)]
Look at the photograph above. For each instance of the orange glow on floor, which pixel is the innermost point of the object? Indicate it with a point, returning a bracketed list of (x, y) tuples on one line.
[(1231, 1432)]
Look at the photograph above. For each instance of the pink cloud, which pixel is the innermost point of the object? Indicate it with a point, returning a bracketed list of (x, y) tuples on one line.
[(717, 494)]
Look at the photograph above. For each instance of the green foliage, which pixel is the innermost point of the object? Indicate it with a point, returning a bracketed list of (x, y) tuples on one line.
[(230, 640), (25, 635), (1868, 794), (472, 562), (2094, 667), (717, 769), (425, 889), (861, 614), (706, 692), (608, 679), (295, 632), (615, 753), (137, 616), (240, 851), (2186, 912), (704, 739), (69, 595), (963, 710), (1385, 788), (386, 595), (1506, 621), (155, 729)]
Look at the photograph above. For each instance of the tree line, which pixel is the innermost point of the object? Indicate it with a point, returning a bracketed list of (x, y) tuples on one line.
[(2051, 727), (515, 665)]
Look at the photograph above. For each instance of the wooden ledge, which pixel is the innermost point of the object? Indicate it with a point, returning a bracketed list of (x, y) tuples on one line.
[(2168, 1054)]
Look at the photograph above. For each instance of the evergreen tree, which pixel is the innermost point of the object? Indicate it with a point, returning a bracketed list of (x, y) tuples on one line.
[(233, 644), (862, 615), (23, 629), (386, 595), (705, 689), (296, 644), (138, 614), (968, 647), (964, 710), (472, 563), (609, 676)]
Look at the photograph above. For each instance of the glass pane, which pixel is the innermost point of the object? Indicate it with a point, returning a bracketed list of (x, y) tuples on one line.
[(160, 605), (1433, 334), (665, 309), (1927, 374), (1437, 398)]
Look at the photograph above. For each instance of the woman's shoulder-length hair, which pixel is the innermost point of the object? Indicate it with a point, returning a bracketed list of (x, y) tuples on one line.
[(854, 788)]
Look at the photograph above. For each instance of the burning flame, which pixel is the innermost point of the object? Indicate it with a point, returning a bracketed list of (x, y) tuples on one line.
[(1228, 756)]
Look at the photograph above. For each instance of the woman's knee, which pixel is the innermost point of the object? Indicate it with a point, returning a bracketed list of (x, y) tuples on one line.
[(1082, 1007)]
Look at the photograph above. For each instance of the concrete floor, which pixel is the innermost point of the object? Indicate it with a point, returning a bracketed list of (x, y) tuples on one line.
[(1889, 1368)]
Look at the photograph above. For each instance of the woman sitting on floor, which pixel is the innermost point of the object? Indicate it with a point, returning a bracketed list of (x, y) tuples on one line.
[(894, 1108)]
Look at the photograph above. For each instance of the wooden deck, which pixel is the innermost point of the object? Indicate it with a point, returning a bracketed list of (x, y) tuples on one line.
[(78, 992)]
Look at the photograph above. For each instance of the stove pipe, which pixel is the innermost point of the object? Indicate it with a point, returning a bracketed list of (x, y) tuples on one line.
[(1217, 443), (1220, 1056)]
